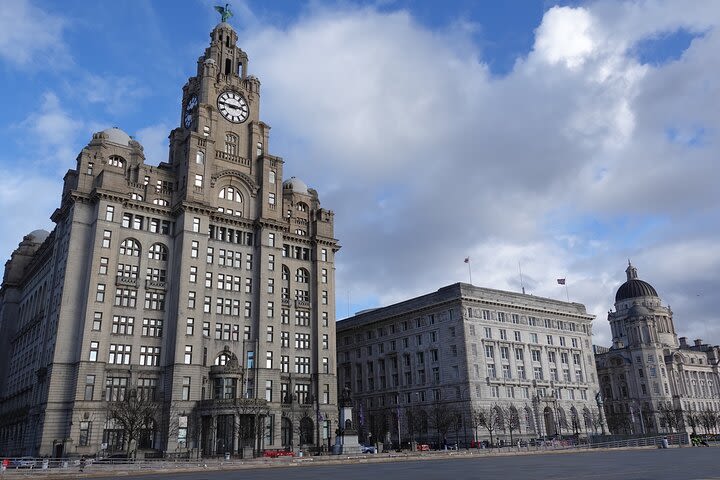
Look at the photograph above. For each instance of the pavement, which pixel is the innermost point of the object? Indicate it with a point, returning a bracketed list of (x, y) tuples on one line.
[(210, 465)]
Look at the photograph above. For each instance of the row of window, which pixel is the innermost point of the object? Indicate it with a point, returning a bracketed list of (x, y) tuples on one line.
[(515, 318), (127, 297)]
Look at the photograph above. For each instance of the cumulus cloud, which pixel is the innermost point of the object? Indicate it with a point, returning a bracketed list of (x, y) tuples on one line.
[(52, 131), (154, 140), (427, 157), (31, 37)]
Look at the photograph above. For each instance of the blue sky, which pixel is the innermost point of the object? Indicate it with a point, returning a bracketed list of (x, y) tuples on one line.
[(566, 137)]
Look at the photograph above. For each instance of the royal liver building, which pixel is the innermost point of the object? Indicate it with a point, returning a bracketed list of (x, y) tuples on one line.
[(186, 307)]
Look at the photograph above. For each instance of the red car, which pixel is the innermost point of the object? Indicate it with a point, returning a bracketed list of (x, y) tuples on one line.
[(423, 447), (277, 453)]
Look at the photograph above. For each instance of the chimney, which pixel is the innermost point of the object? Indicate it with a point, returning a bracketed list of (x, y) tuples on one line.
[(683, 342), (698, 342)]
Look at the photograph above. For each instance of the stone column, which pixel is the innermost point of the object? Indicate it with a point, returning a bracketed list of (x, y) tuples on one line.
[(213, 439), (235, 434)]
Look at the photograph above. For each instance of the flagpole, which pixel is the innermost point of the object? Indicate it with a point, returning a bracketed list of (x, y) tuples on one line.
[(470, 271), (567, 296), (522, 284)]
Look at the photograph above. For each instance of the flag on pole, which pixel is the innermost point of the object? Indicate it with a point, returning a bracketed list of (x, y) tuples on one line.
[(561, 281), (467, 259)]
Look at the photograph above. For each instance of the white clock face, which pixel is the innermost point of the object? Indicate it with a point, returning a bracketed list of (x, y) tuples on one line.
[(233, 106), (191, 104)]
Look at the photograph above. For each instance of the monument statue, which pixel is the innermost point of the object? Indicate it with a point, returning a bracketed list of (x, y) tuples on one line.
[(224, 12)]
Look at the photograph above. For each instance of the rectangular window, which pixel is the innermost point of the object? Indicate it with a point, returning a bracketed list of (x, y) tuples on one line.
[(196, 224), (190, 326), (119, 354), (84, 433), (152, 327), (110, 213), (103, 266), (100, 294), (191, 300), (149, 356), (268, 390), (194, 248), (186, 388), (285, 364), (89, 387), (97, 321), (188, 354), (123, 325), (198, 181), (269, 360), (125, 297), (107, 237)]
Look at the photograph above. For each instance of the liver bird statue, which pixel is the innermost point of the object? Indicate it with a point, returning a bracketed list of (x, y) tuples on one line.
[(224, 12)]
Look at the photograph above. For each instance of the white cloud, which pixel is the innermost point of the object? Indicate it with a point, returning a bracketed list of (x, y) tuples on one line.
[(116, 94), (565, 37), (154, 140), (426, 158), (31, 37)]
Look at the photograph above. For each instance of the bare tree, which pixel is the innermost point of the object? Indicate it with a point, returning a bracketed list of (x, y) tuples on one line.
[(135, 414), (415, 421), (692, 418), (491, 419), (442, 419), (708, 420), (673, 417), (250, 422), (619, 422), (512, 420)]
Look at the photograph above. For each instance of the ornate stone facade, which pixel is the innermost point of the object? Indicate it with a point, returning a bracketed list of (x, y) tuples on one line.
[(650, 381), (520, 360), (205, 283)]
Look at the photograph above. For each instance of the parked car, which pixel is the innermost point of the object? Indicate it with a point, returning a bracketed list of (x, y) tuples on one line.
[(368, 449), (277, 453), (423, 447)]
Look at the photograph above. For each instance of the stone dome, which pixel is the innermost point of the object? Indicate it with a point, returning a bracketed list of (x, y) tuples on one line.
[(38, 236), (634, 287), (296, 185), (115, 135)]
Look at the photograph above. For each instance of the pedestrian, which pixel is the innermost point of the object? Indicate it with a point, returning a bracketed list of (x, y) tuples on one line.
[(82, 463)]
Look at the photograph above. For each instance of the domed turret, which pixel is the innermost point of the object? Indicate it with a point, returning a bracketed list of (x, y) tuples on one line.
[(634, 287), (296, 185), (115, 135)]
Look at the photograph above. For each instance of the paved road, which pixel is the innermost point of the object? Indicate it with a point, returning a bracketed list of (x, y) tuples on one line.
[(671, 464)]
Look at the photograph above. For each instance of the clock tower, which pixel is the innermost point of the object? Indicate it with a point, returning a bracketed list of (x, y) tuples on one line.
[(258, 257)]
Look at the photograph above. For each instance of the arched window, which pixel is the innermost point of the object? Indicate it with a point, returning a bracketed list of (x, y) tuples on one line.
[(271, 176), (301, 207), (200, 157), (222, 359), (130, 247), (230, 194), (160, 201), (116, 161), (234, 197), (136, 196), (301, 275), (231, 144), (158, 251)]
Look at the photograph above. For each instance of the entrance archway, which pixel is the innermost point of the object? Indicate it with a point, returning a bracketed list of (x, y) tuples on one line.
[(550, 426)]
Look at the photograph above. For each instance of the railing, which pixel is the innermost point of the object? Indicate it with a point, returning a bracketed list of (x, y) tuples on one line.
[(155, 284), (119, 280)]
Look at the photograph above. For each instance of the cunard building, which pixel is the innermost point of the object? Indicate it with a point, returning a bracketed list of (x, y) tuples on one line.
[(466, 363), (199, 292)]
